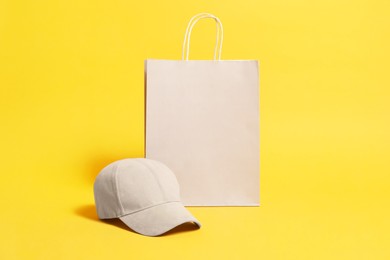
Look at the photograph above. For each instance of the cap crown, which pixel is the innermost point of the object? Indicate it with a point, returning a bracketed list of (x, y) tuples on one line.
[(131, 185)]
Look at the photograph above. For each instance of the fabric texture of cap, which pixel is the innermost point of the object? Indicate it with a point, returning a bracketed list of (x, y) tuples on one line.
[(143, 193)]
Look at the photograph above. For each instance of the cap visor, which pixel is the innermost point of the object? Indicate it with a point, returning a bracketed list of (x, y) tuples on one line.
[(159, 219)]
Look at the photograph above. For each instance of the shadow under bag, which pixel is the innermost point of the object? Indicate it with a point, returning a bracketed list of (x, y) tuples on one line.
[(202, 121)]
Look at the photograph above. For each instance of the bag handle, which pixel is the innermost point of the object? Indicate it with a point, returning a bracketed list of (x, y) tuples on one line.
[(190, 26)]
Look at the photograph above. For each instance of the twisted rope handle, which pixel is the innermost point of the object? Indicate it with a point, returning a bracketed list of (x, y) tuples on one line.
[(190, 26)]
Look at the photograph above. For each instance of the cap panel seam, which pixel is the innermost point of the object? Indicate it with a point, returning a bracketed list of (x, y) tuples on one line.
[(162, 168), (154, 177), (148, 207), (115, 184)]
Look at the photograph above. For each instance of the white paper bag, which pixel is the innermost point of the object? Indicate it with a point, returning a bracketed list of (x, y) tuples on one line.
[(202, 121)]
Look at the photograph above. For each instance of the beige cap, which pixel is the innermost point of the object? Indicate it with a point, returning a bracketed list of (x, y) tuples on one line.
[(143, 193)]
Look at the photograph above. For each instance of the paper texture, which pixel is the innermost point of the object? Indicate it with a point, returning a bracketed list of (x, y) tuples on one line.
[(202, 121)]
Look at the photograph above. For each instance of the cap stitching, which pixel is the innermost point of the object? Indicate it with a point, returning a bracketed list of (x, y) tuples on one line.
[(138, 210), (116, 188), (156, 179), (162, 168)]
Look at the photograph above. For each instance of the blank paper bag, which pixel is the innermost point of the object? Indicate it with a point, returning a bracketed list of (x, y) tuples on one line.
[(202, 121)]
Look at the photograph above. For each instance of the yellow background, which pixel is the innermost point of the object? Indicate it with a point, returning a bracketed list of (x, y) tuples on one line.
[(71, 77)]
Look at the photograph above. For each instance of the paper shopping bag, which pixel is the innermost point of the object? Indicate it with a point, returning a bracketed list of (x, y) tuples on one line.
[(202, 121)]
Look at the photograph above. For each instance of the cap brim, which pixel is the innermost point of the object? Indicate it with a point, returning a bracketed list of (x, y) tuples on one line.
[(159, 219)]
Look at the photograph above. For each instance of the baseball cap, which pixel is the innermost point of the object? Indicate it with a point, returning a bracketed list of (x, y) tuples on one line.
[(143, 193)]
